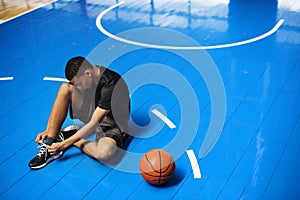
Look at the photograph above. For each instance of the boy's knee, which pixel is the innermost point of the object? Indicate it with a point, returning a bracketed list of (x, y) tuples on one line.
[(104, 155), (106, 149)]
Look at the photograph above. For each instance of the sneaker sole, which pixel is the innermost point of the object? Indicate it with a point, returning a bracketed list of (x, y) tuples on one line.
[(49, 160), (71, 128)]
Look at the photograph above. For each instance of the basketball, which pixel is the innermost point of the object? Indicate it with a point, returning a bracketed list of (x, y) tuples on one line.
[(157, 166)]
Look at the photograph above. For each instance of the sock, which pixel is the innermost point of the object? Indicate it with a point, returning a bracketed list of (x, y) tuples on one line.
[(50, 140)]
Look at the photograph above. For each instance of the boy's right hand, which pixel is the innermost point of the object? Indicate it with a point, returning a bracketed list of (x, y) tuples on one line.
[(41, 137)]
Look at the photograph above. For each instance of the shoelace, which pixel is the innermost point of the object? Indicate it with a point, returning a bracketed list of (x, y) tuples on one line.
[(43, 149)]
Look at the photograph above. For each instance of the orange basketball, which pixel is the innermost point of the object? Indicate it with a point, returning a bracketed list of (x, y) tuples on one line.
[(157, 166)]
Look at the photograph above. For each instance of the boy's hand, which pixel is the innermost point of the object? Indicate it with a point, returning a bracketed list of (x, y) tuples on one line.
[(41, 137)]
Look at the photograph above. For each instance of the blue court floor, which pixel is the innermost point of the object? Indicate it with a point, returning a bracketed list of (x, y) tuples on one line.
[(223, 75)]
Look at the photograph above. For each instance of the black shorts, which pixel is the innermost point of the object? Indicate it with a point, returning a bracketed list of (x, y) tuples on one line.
[(108, 128)]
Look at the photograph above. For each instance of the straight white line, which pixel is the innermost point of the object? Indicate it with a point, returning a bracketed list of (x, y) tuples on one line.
[(55, 79), (28, 11), (105, 32), (164, 118), (6, 78), (194, 164)]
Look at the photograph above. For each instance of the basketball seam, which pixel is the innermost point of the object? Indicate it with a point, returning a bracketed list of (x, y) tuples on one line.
[(159, 167), (154, 175), (150, 164), (170, 162)]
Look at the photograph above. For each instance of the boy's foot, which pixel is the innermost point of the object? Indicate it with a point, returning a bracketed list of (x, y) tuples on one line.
[(43, 158), (67, 132)]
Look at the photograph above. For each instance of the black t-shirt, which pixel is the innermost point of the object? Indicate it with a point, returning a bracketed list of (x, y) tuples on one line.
[(112, 94)]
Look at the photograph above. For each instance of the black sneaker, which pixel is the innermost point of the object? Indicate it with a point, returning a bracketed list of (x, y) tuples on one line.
[(43, 158), (67, 132)]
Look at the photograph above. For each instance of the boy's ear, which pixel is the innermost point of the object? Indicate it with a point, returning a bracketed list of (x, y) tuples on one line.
[(87, 72)]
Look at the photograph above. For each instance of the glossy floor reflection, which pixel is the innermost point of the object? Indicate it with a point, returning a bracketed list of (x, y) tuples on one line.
[(256, 155)]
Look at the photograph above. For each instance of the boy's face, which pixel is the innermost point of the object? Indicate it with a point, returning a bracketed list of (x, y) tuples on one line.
[(83, 81)]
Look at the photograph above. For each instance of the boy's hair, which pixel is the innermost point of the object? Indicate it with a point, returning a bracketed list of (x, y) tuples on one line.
[(75, 65)]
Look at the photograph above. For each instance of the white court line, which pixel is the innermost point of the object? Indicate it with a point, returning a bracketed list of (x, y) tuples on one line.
[(7, 78), (28, 11), (194, 164), (102, 29), (55, 79), (164, 118)]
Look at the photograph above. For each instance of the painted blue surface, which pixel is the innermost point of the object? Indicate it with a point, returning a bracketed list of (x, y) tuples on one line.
[(257, 154)]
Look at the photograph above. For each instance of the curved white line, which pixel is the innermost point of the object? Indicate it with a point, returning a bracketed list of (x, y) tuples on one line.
[(55, 79), (102, 29), (6, 78), (164, 118), (194, 163)]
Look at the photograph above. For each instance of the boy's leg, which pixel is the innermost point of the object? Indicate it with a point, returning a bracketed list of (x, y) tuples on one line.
[(64, 98), (108, 139), (102, 150)]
